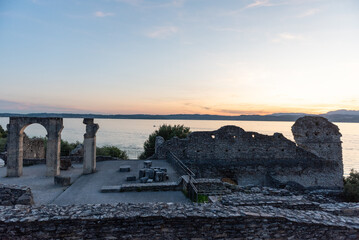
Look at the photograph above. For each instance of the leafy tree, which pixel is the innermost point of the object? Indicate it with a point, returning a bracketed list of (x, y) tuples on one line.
[(3, 133), (111, 151), (351, 187), (165, 131)]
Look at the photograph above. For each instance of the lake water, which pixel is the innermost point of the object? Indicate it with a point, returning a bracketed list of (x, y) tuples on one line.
[(130, 134)]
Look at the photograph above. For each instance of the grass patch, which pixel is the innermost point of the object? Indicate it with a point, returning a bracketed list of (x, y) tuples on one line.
[(202, 198)]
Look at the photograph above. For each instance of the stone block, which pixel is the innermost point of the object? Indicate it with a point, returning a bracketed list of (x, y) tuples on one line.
[(141, 173), (131, 178), (143, 179), (150, 173), (62, 181), (65, 164), (147, 164), (149, 180), (125, 168), (164, 169)]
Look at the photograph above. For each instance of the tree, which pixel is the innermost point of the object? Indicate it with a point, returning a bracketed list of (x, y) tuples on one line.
[(351, 187), (165, 131), (3, 133)]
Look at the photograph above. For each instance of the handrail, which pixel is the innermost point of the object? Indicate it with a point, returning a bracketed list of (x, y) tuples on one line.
[(182, 165)]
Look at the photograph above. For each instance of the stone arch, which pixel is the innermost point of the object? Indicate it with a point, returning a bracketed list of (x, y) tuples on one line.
[(16, 129)]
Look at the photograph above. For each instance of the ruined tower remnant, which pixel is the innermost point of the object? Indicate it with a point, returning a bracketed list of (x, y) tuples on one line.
[(321, 137), (16, 129), (89, 162)]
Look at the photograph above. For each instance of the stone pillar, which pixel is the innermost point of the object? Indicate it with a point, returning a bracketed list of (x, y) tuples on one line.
[(89, 162), (53, 154), (14, 150)]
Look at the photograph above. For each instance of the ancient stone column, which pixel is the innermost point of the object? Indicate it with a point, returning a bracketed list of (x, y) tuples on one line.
[(89, 162), (14, 150), (53, 154)]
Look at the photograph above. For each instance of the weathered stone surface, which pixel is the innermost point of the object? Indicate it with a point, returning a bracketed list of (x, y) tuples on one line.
[(147, 164), (78, 150), (65, 163), (131, 178), (12, 195), (172, 221), (143, 179), (125, 168), (16, 129), (252, 158), (89, 160), (159, 141), (33, 148), (62, 181)]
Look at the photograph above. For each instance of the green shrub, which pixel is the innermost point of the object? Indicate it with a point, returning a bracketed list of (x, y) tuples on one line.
[(67, 147), (165, 131), (111, 151), (3, 133), (2, 144), (202, 198), (351, 187)]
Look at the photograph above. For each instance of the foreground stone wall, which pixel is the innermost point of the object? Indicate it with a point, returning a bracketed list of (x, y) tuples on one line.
[(12, 195), (253, 158), (172, 221)]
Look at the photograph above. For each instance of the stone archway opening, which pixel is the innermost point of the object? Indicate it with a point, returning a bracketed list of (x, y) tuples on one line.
[(34, 144), (16, 129)]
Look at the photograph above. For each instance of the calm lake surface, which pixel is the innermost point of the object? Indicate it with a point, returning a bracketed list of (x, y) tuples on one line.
[(130, 134)]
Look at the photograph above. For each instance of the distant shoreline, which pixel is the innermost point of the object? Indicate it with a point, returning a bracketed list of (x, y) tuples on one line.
[(290, 117)]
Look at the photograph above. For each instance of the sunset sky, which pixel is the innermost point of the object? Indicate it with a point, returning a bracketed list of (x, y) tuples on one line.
[(227, 57)]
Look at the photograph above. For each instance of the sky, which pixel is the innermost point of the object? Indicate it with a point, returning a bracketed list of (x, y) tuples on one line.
[(227, 57)]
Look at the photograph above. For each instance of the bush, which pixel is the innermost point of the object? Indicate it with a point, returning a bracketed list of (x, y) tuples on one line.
[(165, 131), (2, 144), (3, 133), (351, 187), (111, 151), (67, 147)]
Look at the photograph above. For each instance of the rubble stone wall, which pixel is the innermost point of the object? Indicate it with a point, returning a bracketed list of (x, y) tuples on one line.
[(253, 158), (33, 148), (12, 195), (171, 221)]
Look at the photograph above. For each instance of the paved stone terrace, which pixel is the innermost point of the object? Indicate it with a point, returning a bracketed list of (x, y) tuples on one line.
[(86, 188)]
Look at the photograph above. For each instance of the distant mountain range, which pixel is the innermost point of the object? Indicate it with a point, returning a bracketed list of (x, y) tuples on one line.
[(334, 116)]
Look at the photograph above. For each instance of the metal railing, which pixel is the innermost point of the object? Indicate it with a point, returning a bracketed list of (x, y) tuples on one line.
[(191, 188)]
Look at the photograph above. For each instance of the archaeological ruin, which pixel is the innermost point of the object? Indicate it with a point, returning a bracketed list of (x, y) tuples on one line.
[(53, 126), (250, 158)]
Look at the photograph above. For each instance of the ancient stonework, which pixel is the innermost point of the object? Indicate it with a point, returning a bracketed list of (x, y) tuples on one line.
[(15, 149), (34, 148), (253, 158), (89, 161)]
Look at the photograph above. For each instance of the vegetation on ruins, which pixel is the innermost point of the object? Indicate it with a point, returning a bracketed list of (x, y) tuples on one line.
[(351, 186), (111, 151), (165, 131), (3, 133)]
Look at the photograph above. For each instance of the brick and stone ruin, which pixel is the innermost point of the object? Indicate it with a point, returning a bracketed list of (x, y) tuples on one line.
[(314, 160), (17, 143)]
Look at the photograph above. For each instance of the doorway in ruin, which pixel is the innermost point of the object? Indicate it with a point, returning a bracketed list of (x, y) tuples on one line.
[(16, 129)]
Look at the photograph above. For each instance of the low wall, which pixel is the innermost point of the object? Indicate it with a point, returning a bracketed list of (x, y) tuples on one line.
[(172, 221), (12, 195)]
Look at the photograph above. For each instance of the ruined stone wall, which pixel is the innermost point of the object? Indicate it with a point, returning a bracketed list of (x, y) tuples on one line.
[(33, 148), (171, 221), (253, 158), (12, 195)]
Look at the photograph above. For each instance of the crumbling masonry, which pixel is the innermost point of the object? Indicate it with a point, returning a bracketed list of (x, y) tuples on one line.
[(250, 158)]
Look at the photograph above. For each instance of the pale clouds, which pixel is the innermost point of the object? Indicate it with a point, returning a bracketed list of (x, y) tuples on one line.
[(162, 32), (259, 3), (309, 12), (285, 36), (103, 14)]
